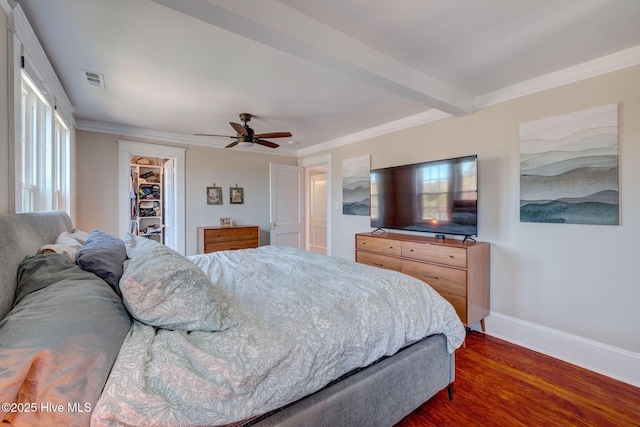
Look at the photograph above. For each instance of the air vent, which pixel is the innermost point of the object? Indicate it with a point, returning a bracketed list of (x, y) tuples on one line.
[(94, 79)]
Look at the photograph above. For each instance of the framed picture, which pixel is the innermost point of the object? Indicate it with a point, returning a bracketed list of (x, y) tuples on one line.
[(236, 195), (214, 195), (225, 222)]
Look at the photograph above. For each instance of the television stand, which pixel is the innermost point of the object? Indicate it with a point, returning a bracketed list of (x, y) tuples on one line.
[(468, 238), (380, 229), (459, 272)]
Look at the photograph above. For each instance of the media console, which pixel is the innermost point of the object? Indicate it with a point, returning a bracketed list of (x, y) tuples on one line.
[(459, 271)]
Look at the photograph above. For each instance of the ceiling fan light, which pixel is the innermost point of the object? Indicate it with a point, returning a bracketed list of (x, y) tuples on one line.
[(245, 144)]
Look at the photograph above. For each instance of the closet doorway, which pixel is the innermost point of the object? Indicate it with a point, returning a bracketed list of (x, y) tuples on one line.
[(171, 188)]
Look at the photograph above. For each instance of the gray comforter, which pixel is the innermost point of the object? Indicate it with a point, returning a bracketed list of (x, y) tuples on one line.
[(295, 321)]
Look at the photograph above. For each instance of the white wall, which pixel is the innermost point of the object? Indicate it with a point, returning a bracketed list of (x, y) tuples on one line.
[(578, 282), (97, 185)]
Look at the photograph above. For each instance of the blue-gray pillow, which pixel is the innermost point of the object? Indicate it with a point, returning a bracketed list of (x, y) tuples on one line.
[(103, 255)]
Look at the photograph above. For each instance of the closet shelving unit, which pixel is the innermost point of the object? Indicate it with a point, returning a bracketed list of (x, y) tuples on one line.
[(147, 201)]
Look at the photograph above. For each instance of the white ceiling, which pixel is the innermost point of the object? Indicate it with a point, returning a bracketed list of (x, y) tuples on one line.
[(324, 70)]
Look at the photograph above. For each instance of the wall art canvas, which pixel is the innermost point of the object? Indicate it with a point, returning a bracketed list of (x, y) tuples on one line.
[(569, 168), (356, 185)]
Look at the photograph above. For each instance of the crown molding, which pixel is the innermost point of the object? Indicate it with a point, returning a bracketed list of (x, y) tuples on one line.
[(6, 6), (606, 64), (175, 138), (394, 126), (38, 63)]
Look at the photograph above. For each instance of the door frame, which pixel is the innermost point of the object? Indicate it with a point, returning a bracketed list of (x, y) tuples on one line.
[(308, 163), (130, 148)]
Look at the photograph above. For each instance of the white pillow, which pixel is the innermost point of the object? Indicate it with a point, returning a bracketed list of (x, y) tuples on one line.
[(65, 245), (65, 238), (80, 236), (162, 288)]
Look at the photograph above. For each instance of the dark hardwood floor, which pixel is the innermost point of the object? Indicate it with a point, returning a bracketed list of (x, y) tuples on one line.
[(502, 384)]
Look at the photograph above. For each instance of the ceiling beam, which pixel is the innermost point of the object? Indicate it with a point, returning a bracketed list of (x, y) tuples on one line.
[(284, 28)]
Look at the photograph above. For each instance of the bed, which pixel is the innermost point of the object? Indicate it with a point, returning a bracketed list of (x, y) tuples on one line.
[(258, 337)]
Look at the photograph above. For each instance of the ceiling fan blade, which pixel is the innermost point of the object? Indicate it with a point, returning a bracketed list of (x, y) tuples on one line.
[(239, 128), (274, 135), (208, 134), (266, 143), (233, 144)]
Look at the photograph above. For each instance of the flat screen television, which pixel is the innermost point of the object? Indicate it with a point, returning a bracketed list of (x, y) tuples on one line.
[(436, 197)]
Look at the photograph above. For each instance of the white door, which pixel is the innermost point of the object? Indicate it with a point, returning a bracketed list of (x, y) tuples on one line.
[(287, 208), (169, 203), (318, 213)]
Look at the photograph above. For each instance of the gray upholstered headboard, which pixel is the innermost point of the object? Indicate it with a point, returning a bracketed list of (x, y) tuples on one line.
[(22, 235)]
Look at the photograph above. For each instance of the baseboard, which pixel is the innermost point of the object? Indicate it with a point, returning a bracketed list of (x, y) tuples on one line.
[(617, 363)]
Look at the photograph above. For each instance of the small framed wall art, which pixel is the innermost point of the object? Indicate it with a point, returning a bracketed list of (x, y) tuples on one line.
[(236, 195), (225, 222), (214, 195)]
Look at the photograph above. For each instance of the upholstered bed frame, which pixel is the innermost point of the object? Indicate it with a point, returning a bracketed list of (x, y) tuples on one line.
[(379, 395)]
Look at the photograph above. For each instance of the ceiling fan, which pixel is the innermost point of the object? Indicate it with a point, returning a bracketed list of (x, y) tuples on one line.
[(246, 137)]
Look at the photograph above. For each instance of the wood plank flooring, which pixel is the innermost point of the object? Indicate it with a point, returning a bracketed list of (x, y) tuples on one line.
[(502, 384)]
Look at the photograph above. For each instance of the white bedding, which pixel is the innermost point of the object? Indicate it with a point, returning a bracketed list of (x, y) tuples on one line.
[(297, 321)]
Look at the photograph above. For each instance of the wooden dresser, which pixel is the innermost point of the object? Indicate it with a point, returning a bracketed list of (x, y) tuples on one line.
[(459, 271), (219, 238)]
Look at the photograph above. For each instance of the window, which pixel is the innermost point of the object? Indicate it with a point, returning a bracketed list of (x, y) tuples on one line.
[(41, 125), (61, 145), (44, 151)]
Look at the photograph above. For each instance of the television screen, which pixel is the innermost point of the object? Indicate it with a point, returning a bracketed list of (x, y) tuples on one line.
[(437, 197)]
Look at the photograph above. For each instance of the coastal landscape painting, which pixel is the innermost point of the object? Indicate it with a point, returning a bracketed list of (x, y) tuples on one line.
[(569, 168), (356, 186)]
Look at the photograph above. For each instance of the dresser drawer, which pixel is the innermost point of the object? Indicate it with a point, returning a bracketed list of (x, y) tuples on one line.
[(459, 304), (376, 244), (377, 260), (440, 278), (227, 246), (456, 257), (216, 238), (222, 235)]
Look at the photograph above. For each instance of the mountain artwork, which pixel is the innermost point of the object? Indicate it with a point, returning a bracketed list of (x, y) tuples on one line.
[(569, 168)]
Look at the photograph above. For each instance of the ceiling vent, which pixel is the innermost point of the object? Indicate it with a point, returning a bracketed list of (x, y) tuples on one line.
[(94, 79)]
